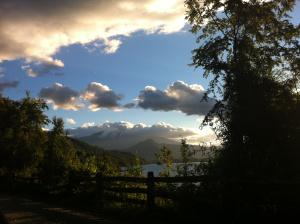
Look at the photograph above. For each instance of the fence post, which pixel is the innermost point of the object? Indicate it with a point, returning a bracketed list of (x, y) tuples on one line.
[(150, 190), (100, 190)]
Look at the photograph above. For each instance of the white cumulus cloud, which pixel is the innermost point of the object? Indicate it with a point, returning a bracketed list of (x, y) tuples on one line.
[(70, 121), (177, 96), (113, 133)]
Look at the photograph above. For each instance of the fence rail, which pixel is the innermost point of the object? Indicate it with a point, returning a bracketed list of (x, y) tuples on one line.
[(149, 189), (122, 188)]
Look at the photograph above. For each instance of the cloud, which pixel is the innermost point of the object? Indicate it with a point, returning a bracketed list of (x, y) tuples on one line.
[(110, 133), (70, 121), (178, 96), (61, 97), (37, 30), (2, 72), (111, 46), (8, 84), (129, 128), (39, 68), (88, 124), (101, 96), (97, 95), (129, 105)]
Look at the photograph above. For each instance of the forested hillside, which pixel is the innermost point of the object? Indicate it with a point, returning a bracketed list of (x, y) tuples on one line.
[(28, 150), (118, 157)]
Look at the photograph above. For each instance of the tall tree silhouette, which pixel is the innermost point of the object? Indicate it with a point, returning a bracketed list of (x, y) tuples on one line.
[(21, 136), (60, 156), (250, 50)]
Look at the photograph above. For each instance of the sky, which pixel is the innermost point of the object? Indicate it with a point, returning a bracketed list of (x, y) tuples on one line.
[(103, 61)]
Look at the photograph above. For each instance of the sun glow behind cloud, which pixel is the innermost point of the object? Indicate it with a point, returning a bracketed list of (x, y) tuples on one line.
[(36, 31), (143, 131), (163, 6)]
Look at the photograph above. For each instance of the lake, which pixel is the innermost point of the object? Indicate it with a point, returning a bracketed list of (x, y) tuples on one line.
[(156, 169)]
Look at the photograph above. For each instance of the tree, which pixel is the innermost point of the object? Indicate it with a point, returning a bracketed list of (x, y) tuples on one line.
[(60, 156), (21, 136), (165, 158), (136, 169), (250, 50), (186, 153)]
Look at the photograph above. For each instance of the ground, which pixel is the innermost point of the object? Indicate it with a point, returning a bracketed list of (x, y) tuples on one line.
[(20, 210)]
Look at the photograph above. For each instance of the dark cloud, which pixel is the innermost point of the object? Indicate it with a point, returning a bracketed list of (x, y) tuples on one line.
[(97, 95), (43, 68), (178, 96), (129, 105), (2, 71), (8, 84), (61, 97), (101, 96)]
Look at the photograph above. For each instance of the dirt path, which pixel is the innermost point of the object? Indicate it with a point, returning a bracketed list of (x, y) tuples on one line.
[(25, 211)]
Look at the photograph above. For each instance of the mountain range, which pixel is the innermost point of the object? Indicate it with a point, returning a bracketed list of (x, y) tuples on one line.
[(148, 148), (131, 140), (119, 140), (144, 148), (117, 157)]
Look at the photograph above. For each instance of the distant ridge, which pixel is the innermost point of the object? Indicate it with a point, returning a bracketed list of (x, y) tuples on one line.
[(149, 147), (120, 157), (145, 148), (119, 140)]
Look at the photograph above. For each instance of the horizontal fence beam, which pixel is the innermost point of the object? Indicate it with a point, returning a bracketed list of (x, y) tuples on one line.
[(124, 179), (187, 179), (157, 179), (126, 190)]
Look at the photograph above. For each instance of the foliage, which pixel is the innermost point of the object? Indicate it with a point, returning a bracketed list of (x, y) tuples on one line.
[(185, 168), (59, 156), (117, 157), (106, 166), (22, 138), (61, 163), (136, 168), (250, 50), (209, 154), (164, 158)]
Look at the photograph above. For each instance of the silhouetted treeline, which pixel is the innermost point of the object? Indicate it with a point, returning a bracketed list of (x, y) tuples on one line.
[(250, 51), (27, 150)]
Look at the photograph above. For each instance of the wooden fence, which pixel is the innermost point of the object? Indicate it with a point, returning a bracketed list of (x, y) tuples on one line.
[(276, 188), (109, 187), (104, 185), (119, 188)]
